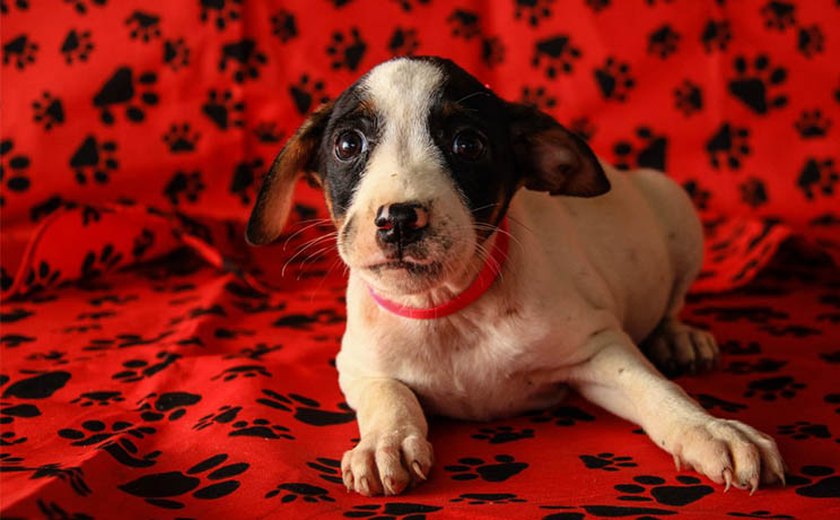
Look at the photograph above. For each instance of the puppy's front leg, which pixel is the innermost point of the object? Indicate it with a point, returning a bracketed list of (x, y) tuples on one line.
[(619, 378), (393, 450)]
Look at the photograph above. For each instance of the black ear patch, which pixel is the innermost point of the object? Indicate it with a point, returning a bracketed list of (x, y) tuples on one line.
[(275, 199), (552, 159)]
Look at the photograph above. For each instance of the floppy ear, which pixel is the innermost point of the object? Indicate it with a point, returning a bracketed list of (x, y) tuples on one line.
[(275, 199), (551, 158)]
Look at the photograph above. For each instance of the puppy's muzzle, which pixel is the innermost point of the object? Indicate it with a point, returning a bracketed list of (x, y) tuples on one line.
[(399, 225)]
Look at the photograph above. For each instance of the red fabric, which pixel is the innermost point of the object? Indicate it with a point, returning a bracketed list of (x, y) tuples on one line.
[(133, 129)]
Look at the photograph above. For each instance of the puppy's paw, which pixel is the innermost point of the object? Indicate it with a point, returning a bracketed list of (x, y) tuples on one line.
[(730, 453), (676, 348), (387, 464)]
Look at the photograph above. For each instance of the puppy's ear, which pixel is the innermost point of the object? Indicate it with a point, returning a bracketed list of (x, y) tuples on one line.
[(551, 158), (275, 199)]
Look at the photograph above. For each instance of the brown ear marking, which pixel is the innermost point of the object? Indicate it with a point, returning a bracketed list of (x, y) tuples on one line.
[(551, 158), (274, 201)]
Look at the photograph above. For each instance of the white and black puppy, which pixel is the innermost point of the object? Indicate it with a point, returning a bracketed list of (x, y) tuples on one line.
[(494, 263)]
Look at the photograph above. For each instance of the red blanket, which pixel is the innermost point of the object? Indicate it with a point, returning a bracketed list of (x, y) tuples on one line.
[(152, 361)]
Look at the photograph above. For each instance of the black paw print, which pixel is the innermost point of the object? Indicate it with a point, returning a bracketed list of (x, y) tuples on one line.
[(533, 10), (142, 242), (328, 469), (10, 438), (393, 510), (729, 145), (243, 182), (561, 416), (247, 371), (651, 153), (168, 405), (284, 25), (347, 51), (21, 51), (306, 492), (818, 175), (188, 185), (181, 138), (607, 462), (221, 11), (403, 42), (663, 41), (688, 98), (771, 388), (246, 58), (224, 415), (778, 15), (804, 430), (710, 402), (94, 159), (305, 91), (583, 127), (754, 84), (42, 277), (812, 124), (464, 24), (537, 97), (261, 428), (597, 5), (409, 5), (77, 46), (753, 192), (222, 109), (160, 489), (122, 89), (307, 410), (716, 35), (503, 434), (257, 352), (559, 54), (688, 491), (614, 80), (824, 482), (94, 264), (5, 6), (267, 132), (81, 6), (471, 468), (480, 499), (492, 51), (143, 26), (139, 369), (98, 398), (16, 167), (48, 111), (176, 54), (114, 440), (810, 41)]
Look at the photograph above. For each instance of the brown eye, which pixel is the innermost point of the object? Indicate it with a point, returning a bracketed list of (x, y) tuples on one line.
[(468, 145), (349, 145)]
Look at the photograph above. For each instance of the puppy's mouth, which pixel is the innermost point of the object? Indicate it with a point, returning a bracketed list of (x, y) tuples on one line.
[(412, 268)]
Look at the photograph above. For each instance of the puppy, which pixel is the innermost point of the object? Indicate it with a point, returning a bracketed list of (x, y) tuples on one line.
[(494, 263)]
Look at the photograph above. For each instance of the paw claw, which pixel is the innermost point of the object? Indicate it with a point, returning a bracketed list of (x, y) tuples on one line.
[(415, 466), (727, 477)]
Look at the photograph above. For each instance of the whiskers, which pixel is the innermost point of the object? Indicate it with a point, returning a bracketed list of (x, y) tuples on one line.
[(323, 243)]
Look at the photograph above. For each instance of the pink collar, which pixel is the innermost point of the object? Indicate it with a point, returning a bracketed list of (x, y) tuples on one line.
[(482, 282)]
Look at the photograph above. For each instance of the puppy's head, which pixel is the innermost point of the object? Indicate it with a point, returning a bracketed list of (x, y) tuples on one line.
[(419, 161)]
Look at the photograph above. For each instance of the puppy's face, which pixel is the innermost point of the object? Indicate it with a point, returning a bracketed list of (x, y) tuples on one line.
[(419, 161)]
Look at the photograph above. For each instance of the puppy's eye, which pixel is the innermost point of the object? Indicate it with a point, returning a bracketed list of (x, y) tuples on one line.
[(349, 145), (468, 145)]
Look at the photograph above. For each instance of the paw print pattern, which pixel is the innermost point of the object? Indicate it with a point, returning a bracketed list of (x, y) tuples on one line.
[(492, 51), (284, 26), (42, 277), (180, 138), (688, 98), (261, 428), (534, 11), (779, 15), (537, 97), (161, 489), (812, 124), (220, 12), (503, 434), (818, 176), (653, 489), (597, 5), (614, 80), (820, 482), (558, 53), (716, 35), (224, 415), (96, 264), (243, 181), (48, 111), (561, 416), (81, 6), (223, 110), (143, 26), (403, 42), (99, 398), (810, 41), (753, 192), (471, 468), (114, 440), (328, 469), (464, 24), (305, 92), (346, 50), (755, 84), (729, 146), (14, 169), (771, 388), (651, 152), (94, 160), (267, 132), (77, 46), (246, 58), (176, 54), (804, 430), (20, 51), (246, 371), (184, 187), (122, 89), (607, 462), (393, 510), (307, 411), (663, 42), (307, 492), (480, 499), (139, 369), (169, 405)]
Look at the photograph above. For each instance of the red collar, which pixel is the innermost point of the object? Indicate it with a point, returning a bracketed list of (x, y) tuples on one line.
[(482, 282)]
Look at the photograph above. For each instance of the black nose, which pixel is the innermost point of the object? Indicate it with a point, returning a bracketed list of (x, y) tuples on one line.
[(401, 223)]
